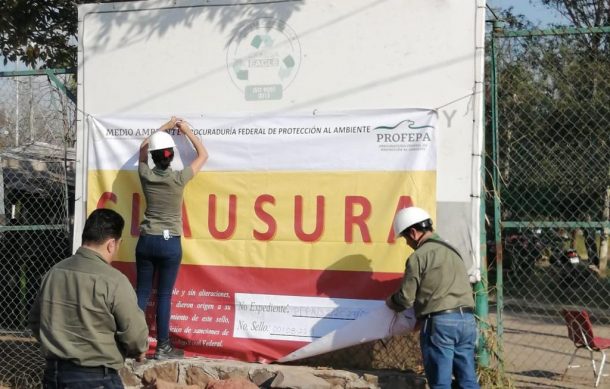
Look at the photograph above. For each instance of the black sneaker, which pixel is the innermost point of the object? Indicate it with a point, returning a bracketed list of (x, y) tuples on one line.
[(166, 351)]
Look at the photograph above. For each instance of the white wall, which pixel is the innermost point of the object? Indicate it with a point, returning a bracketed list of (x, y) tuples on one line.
[(177, 57)]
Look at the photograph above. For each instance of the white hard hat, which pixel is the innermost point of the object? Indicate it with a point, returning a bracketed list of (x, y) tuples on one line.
[(407, 217), (161, 140)]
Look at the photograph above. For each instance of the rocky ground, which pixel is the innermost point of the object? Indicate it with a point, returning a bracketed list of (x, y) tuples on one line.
[(203, 373), (389, 364)]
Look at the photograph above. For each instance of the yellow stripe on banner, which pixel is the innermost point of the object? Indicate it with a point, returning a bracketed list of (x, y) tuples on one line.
[(295, 220)]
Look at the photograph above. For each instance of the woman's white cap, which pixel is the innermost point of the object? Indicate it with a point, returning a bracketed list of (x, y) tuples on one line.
[(160, 140)]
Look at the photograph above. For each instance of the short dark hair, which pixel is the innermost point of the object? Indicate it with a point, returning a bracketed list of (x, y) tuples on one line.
[(423, 226), (163, 157), (101, 225)]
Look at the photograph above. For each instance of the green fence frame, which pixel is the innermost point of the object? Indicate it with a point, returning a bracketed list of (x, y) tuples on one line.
[(498, 32)]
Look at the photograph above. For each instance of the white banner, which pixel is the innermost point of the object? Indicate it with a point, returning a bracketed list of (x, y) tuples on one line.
[(289, 222), (377, 140), (379, 324), (295, 318)]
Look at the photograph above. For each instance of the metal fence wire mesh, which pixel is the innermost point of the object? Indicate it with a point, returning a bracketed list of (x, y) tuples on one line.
[(553, 190), (553, 142), (37, 135), (36, 198)]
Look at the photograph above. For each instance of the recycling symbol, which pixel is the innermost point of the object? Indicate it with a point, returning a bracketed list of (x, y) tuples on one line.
[(264, 60), (260, 42)]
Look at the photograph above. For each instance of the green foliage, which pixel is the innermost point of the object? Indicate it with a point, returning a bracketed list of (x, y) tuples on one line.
[(41, 33), (38, 32), (554, 116), (492, 376), (583, 13)]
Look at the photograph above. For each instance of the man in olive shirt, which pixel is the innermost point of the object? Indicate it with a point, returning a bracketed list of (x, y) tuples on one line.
[(436, 285), (86, 316)]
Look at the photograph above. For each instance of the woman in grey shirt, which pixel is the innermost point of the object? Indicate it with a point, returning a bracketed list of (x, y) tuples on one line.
[(159, 249)]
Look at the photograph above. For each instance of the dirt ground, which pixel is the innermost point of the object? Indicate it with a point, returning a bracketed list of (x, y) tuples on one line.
[(537, 351)]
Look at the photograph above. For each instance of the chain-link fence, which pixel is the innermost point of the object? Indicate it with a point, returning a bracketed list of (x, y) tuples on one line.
[(550, 138), (37, 132), (37, 135), (551, 117)]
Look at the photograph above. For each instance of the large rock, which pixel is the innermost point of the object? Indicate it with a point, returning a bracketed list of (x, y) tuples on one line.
[(127, 376), (261, 376), (163, 371), (299, 379), (227, 372), (160, 384), (195, 375), (232, 383), (206, 373)]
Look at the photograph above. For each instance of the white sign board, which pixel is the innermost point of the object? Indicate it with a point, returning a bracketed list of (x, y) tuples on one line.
[(208, 60)]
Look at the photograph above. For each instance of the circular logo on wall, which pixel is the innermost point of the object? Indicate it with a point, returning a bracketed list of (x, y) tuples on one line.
[(263, 59)]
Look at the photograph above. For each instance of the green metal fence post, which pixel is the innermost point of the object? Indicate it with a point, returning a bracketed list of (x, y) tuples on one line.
[(481, 287), (50, 73), (496, 190), (547, 165)]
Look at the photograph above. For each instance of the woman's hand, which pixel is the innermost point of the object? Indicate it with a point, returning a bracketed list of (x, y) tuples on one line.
[(170, 124), (202, 154), (183, 126)]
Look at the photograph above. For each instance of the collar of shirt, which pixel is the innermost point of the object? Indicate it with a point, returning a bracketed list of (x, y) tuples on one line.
[(161, 172), (89, 254), (434, 236)]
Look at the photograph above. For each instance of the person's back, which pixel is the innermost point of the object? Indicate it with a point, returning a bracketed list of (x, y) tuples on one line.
[(435, 284), (81, 296), (163, 190), (445, 284), (86, 316), (159, 247)]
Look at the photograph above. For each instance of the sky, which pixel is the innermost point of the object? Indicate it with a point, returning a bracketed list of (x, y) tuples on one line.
[(532, 9)]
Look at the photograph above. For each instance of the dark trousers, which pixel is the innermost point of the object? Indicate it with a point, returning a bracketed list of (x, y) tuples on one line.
[(156, 255), (67, 375)]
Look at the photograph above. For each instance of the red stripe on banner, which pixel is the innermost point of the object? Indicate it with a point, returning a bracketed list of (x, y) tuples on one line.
[(295, 282), (203, 303)]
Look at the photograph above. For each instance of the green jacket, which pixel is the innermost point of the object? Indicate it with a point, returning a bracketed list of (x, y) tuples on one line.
[(86, 312), (435, 279)]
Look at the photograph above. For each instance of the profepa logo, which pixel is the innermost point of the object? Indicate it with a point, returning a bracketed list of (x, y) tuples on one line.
[(404, 135), (263, 59)]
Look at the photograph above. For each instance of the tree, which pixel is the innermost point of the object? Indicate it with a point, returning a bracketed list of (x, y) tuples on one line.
[(553, 97), (594, 13), (40, 33), (43, 33), (586, 13), (583, 13)]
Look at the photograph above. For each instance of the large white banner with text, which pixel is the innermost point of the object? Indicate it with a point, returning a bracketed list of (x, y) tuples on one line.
[(287, 227)]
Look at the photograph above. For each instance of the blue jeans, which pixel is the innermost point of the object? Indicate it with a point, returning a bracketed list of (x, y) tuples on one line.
[(156, 255), (447, 345), (74, 377)]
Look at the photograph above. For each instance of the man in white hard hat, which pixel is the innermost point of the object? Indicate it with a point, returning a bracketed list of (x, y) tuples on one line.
[(435, 284)]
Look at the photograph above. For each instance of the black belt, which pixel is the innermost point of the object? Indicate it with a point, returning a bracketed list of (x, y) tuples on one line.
[(62, 364), (452, 310)]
